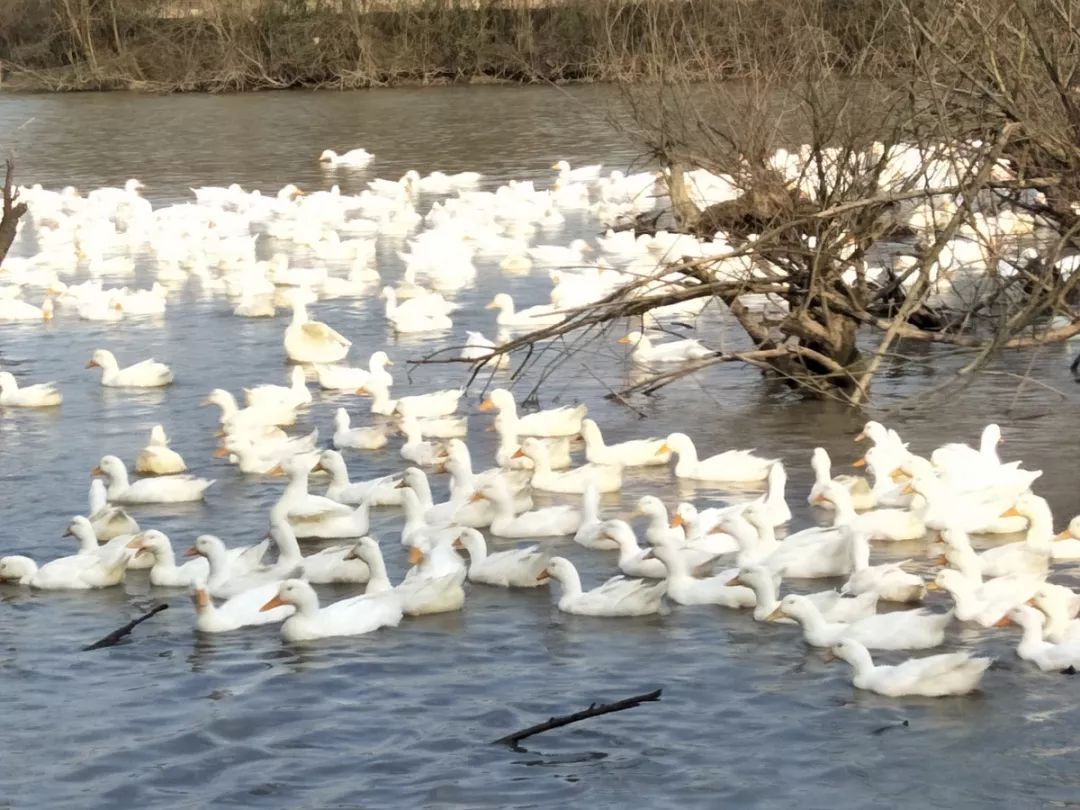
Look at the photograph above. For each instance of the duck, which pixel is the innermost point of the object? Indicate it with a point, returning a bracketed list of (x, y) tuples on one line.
[(684, 589), (108, 521), (81, 529), (582, 174), (530, 318), (364, 438), (341, 378), (552, 521), (415, 449), (832, 604), (333, 564), (646, 352), (420, 594), (144, 374), (1060, 606), (13, 309), (809, 554), (164, 572), (893, 525), (984, 602), (514, 568), (900, 630), (242, 610), (506, 451), (565, 421), (960, 459), (157, 458), (633, 453), (162, 489), (1046, 655), (77, 572), (888, 581), (616, 597), (862, 495), (308, 341), (1067, 542), (426, 313), (380, 491), (41, 395), (354, 616), (957, 673), (354, 158), (633, 561), (235, 419), (734, 466), (315, 515), (293, 396), (432, 404), (225, 578), (604, 478), (592, 531)]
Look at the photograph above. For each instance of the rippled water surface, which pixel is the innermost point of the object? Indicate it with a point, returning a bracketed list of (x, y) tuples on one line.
[(403, 717)]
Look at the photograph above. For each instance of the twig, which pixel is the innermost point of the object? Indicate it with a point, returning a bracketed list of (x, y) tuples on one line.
[(116, 635), (584, 714)]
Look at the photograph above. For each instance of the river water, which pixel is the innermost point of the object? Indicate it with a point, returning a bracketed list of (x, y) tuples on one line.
[(749, 717)]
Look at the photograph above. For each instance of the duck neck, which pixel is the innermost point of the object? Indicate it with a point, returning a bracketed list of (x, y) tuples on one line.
[(477, 548), (861, 662), (98, 498), (380, 399), (118, 481), (845, 509), (590, 505), (422, 487), (299, 313), (688, 458), (1040, 527), (378, 580), (775, 495), (1031, 640), (84, 533), (570, 581), (414, 513), (822, 467), (811, 619), (287, 545), (860, 551), (219, 565), (228, 405), (765, 593)]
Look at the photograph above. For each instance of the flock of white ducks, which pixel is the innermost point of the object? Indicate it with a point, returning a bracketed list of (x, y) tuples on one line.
[(728, 556)]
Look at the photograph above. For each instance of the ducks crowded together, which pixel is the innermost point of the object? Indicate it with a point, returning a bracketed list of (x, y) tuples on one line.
[(740, 555)]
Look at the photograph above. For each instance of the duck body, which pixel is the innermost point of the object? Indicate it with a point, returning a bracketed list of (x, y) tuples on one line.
[(616, 597), (934, 676), (514, 568), (241, 610), (899, 630), (157, 458), (633, 453), (734, 466), (355, 616), (162, 489), (145, 374), (41, 395)]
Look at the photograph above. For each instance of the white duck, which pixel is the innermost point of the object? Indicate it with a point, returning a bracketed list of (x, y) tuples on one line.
[(340, 378), (1067, 542), (899, 630), (565, 421), (934, 676), (633, 561), (157, 458), (616, 597), (436, 403), (509, 443), (1046, 655), (226, 579), (529, 318), (77, 572), (880, 524), (363, 438), (552, 521), (242, 610), (162, 489), (235, 419), (646, 352), (415, 449), (354, 158), (831, 604), (888, 581), (862, 496), (41, 395), (420, 594), (735, 466), (354, 616), (591, 533), (515, 568), (108, 521), (376, 492), (985, 602), (308, 341), (604, 478), (144, 374), (684, 589), (164, 572), (633, 453), (81, 529), (1061, 606), (295, 395), (426, 313), (315, 515), (338, 563)]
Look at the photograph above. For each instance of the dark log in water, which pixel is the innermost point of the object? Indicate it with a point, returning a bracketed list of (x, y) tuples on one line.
[(584, 714), (117, 635)]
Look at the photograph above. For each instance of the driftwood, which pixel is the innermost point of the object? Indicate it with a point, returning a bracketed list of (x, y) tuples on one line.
[(117, 635), (12, 211), (566, 719)]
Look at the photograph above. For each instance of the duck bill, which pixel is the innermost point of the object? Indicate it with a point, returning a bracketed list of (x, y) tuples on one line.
[(97, 471), (1004, 621), (677, 521), (623, 341), (898, 476), (487, 405), (519, 453), (92, 364), (731, 583), (1011, 512), (859, 462), (776, 615), (271, 604), (933, 586), (492, 305), (135, 542), (416, 556), (543, 576), (663, 451), (476, 497), (192, 552), (277, 471), (319, 468), (1065, 535), (221, 452), (363, 392)]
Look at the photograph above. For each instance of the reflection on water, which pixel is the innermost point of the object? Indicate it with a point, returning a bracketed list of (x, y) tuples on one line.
[(404, 717)]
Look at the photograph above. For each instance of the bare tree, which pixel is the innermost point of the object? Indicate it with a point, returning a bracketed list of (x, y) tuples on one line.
[(12, 211)]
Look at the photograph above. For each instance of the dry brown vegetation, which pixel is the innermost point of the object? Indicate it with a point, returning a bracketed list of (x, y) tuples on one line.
[(961, 118)]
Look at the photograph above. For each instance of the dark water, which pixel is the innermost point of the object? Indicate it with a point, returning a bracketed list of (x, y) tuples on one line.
[(749, 716)]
